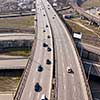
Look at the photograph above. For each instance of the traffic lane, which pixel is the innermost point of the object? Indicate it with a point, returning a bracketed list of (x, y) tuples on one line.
[(29, 86), (33, 73), (36, 95), (68, 83), (46, 75), (72, 63), (65, 91), (75, 66), (60, 68), (46, 78), (61, 76)]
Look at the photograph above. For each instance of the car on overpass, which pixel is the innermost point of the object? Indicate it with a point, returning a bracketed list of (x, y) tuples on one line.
[(40, 68), (48, 61), (69, 70), (46, 25), (43, 97), (44, 30), (53, 17), (37, 87)]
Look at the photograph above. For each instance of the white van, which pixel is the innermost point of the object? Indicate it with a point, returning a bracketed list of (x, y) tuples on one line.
[(43, 97)]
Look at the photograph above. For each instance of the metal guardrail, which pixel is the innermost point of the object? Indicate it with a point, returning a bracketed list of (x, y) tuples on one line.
[(23, 78), (22, 82)]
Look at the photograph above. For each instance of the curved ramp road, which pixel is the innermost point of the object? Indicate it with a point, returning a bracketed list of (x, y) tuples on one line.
[(70, 86)]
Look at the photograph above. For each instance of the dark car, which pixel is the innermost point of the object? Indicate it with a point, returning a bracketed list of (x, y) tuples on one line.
[(45, 45), (46, 25), (40, 68), (35, 19), (49, 49), (43, 30), (48, 61), (44, 15), (48, 36), (53, 17), (37, 87)]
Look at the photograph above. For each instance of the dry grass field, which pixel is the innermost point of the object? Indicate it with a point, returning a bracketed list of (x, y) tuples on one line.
[(90, 3)]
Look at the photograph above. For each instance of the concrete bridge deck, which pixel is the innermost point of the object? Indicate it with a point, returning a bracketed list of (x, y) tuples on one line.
[(92, 68), (16, 36), (12, 62)]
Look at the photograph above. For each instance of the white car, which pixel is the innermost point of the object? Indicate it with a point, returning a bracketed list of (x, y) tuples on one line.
[(43, 97), (69, 70)]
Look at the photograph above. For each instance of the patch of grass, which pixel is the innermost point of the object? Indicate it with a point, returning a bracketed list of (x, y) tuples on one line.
[(78, 28), (8, 83), (90, 26), (86, 24), (89, 36), (19, 53), (20, 22)]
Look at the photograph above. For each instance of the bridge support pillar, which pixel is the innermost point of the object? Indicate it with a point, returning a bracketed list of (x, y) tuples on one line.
[(81, 51), (89, 72)]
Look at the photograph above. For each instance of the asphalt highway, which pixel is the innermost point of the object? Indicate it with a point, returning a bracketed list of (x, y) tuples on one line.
[(41, 54), (70, 86)]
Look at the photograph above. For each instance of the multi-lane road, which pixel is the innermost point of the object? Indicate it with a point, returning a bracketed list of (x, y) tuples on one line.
[(41, 54), (69, 86)]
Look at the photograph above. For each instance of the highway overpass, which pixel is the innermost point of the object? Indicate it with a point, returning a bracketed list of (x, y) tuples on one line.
[(71, 86), (16, 36)]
